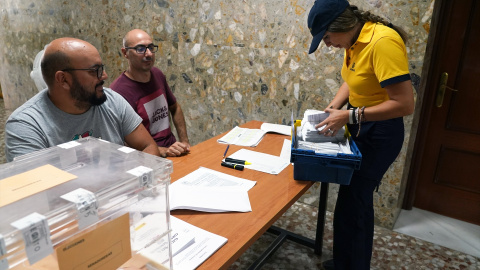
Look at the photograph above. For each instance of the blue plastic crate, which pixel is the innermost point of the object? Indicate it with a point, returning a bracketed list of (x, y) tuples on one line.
[(312, 166)]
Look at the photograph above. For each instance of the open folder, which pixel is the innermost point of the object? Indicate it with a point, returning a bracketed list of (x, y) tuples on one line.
[(243, 136), (251, 137), (211, 191)]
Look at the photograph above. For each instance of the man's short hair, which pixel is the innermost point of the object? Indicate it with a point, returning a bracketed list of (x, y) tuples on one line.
[(51, 63)]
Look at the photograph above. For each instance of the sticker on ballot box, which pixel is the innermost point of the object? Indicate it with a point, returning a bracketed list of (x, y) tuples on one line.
[(36, 236), (144, 174), (126, 150), (69, 144), (107, 246), (87, 206)]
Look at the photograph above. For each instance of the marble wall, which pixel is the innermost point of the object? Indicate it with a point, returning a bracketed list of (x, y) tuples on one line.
[(227, 61)]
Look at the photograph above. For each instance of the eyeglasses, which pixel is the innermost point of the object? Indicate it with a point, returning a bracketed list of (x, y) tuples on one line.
[(140, 49), (99, 70)]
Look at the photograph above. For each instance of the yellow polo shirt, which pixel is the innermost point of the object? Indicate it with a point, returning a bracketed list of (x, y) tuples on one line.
[(376, 60)]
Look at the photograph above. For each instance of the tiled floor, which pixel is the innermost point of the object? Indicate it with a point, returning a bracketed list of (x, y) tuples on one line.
[(392, 249), (441, 230)]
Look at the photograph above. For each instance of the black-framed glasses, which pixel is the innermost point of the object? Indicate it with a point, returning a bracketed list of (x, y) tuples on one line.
[(98, 69), (140, 49)]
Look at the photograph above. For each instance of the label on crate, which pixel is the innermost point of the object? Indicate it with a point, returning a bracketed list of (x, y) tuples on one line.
[(144, 174), (3, 251), (87, 206), (107, 246), (36, 236), (69, 144)]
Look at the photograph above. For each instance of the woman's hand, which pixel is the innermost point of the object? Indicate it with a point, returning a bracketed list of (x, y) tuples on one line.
[(334, 122)]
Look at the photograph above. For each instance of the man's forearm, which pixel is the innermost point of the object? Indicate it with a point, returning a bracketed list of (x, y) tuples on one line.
[(152, 149), (180, 125)]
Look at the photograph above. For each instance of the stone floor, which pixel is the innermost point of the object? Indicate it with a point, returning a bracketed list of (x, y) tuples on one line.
[(392, 250)]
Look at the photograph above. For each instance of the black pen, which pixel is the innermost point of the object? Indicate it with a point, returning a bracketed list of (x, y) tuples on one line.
[(233, 166), (224, 154), (237, 161)]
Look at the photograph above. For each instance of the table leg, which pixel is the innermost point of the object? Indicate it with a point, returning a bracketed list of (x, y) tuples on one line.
[(283, 235), (322, 209)]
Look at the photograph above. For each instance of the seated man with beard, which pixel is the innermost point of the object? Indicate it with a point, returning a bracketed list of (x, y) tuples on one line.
[(74, 105)]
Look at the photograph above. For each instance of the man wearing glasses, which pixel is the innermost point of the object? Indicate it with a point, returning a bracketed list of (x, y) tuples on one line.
[(145, 88), (74, 105)]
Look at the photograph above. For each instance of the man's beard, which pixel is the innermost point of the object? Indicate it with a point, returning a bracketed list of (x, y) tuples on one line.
[(84, 99), (149, 58)]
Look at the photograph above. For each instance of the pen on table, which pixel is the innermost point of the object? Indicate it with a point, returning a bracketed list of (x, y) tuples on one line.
[(224, 154), (233, 166), (237, 161)]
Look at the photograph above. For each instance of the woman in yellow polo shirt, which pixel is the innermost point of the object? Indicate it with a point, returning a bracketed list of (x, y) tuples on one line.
[(378, 92)]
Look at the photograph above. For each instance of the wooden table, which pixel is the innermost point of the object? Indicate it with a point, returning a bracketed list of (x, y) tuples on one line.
[(270, 197)]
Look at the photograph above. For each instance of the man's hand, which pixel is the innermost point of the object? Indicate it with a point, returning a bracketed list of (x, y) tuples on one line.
[(175, 150)]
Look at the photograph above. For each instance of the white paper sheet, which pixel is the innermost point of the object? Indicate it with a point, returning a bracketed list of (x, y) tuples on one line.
[(204, 177), (276, 128), (286, 150), (209, 199), (206, 243), (261, 162), (191, 246), (243, 136), (211, 191)]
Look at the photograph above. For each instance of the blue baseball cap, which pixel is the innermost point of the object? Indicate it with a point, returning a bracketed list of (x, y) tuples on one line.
[(322, 14)]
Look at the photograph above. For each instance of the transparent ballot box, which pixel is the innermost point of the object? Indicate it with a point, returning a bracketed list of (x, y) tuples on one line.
[(85, 204)]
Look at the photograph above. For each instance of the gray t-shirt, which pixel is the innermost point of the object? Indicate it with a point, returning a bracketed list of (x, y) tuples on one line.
[(39, 124)]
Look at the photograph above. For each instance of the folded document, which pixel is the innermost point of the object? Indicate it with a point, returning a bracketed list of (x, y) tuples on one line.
[(261, 162), (243, 136), (191, 245), (251, 136)]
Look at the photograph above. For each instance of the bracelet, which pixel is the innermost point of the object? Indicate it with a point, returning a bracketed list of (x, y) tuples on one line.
[(355, 119), (354, 116), (350, 116), (360, 120)]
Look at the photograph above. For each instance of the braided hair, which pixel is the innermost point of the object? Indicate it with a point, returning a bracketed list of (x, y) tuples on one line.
[(352, 16)]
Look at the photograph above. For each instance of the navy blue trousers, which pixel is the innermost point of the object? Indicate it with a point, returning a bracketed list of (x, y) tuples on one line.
[(379, 143)]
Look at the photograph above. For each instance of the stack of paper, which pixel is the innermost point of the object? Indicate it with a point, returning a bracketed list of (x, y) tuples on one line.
[(211, 191), (203, 190), (191, 245), (243, 136), (190, 256), (310, 134), (309, 139), (327, 148)]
